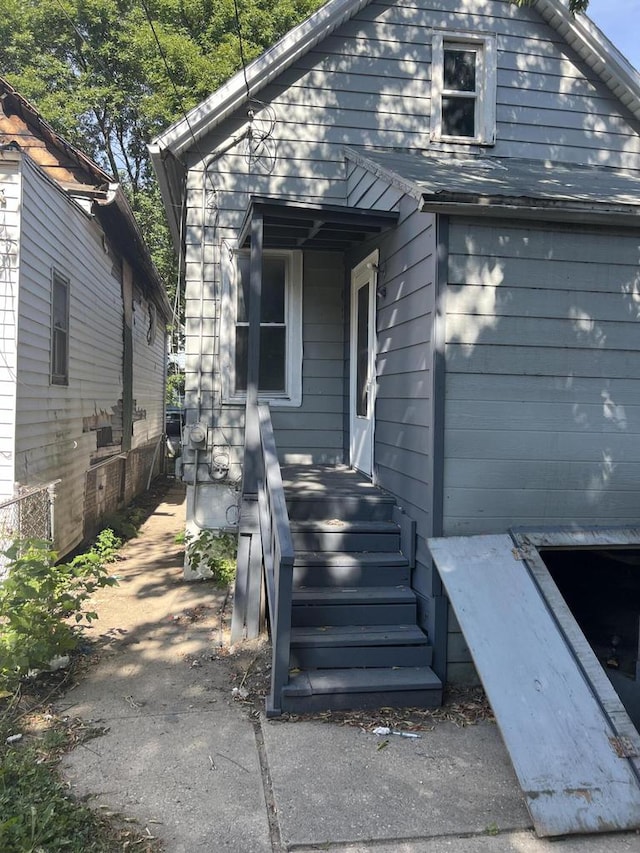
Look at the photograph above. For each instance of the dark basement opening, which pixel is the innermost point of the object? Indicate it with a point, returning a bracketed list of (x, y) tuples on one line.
[(601, 587)]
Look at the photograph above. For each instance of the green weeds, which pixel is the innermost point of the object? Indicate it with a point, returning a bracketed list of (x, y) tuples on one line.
[(37, 812), (42, 607), (215, 553)]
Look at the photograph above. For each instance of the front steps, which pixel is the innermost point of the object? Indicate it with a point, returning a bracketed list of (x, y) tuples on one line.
[(355, 641)]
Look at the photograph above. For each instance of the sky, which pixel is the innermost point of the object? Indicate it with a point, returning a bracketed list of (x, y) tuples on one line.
[(619, 20)]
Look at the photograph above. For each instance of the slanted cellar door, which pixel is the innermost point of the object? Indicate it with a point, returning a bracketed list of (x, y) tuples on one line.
[(573, 747)]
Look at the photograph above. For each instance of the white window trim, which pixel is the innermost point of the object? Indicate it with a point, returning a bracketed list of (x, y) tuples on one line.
[(292, 396), (486, 86)]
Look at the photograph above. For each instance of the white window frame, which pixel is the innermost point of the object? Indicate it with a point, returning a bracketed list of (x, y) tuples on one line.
[(58, 331), (292, 395), (486, 85)]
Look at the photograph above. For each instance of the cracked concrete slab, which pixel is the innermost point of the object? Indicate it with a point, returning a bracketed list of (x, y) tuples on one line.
[(337, 784)]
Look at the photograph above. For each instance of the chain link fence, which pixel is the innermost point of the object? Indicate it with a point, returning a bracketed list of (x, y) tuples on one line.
[(27, 515)]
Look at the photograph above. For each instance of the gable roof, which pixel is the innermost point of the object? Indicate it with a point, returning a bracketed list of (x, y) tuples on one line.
[(579, 31), (77, 175), (23, 125)]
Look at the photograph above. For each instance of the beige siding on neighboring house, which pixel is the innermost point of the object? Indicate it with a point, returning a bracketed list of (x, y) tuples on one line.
[(56, 424), (149, 349), (10, 187)]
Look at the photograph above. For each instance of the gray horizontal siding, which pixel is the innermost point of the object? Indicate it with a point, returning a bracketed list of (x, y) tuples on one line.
[(148, 375), (543, 374), (10, 185), (53, 436), (368, 85)]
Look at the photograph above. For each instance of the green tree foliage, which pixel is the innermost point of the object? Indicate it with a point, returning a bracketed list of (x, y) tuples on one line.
[(111, 74), (95, 68), (574, 5)]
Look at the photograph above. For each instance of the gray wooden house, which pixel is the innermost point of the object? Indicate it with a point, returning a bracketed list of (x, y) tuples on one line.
[(412, 252), (83, 351)]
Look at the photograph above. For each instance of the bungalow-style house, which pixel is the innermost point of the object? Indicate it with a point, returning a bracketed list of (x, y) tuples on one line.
[(82, 371), (412, 255)]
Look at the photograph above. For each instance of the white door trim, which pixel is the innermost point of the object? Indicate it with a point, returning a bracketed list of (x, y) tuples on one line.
[(362, 423)]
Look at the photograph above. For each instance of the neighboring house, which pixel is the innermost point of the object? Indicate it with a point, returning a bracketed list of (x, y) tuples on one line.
[(442, 202), (83, 330)]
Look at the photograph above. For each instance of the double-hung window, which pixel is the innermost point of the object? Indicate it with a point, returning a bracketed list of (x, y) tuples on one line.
[(463, 88), (59, 329), (280, 376)]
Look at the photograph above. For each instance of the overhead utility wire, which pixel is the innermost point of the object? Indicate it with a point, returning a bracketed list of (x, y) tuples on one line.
[(241, 44)]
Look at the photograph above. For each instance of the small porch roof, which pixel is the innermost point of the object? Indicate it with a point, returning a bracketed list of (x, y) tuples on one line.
[(493, 186), (321, 227)]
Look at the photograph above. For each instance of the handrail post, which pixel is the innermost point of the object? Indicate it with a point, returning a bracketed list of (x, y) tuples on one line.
[(279, 560), (281, 635), (249, 567), (252, 430)]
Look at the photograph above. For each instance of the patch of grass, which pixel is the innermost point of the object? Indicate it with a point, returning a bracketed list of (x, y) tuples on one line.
[(41, 613), (37, 812)]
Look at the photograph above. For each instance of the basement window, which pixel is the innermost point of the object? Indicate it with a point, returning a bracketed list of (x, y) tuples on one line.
[(463, 88)]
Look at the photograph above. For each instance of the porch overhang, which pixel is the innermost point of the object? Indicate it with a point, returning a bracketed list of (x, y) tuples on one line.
[(502, 187), (321, 227)]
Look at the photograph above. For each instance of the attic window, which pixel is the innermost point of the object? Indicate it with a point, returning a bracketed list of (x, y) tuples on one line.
[(463, 88)]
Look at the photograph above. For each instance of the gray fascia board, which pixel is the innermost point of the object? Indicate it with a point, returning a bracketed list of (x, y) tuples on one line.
[(392, 178), (594, 47), (233, 94), (170, 194), (541, 209)]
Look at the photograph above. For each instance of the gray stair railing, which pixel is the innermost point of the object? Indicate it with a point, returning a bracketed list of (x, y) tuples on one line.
[(278, 556)]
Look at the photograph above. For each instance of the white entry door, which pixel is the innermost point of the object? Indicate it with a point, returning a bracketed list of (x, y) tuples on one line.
[(363, 363)]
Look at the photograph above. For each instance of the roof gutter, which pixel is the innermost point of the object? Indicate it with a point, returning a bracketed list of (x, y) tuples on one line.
[(556, 210), (140, 257)]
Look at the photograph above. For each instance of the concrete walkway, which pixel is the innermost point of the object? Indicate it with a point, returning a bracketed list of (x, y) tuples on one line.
[(202, 771)]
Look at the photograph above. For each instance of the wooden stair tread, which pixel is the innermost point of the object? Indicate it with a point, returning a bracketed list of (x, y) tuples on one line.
[(312, 682), (356, 635), (350, 558), (352, 595), (338, 525)]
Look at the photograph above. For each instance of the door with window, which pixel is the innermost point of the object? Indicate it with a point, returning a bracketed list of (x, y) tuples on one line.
[(363, 364)]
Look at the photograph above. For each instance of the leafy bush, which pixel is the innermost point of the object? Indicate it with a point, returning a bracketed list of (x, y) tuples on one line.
[(215, 553), (124, 523), (106, 545), (41, 606), (175, 388)]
